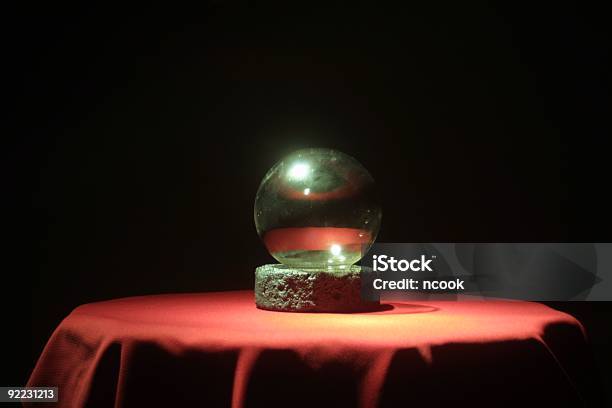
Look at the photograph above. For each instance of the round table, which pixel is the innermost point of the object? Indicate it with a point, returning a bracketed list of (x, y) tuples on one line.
[(218, 349)]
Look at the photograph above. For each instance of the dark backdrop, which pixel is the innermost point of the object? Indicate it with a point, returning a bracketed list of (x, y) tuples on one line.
[(142, 135)]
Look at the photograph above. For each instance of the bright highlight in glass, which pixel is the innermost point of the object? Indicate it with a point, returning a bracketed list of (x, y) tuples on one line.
[(299, 171)]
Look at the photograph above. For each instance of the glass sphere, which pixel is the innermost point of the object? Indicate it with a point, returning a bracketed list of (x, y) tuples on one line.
[(317, 208)]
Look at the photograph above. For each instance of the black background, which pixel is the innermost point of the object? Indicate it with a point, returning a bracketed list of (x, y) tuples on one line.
[(141, 136)]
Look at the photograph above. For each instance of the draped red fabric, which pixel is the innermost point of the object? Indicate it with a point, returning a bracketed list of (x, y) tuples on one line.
[(217, 349)]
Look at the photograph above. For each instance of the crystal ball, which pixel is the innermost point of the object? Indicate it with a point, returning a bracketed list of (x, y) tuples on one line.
[(317, 208)]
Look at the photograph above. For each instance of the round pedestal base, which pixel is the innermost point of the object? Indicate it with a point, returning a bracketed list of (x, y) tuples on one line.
[(279, 287)]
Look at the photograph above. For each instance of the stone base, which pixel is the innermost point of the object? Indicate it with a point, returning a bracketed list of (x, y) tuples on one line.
[(279, 287)]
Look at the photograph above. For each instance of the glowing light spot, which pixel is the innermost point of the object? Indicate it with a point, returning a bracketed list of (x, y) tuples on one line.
[(306, 191), (335, 249), (299, 171)]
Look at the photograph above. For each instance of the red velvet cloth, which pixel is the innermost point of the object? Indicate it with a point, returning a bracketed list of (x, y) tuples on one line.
[(218, 349)]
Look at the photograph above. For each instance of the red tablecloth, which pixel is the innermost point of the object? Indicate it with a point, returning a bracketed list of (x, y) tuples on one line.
[(217, 349)]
